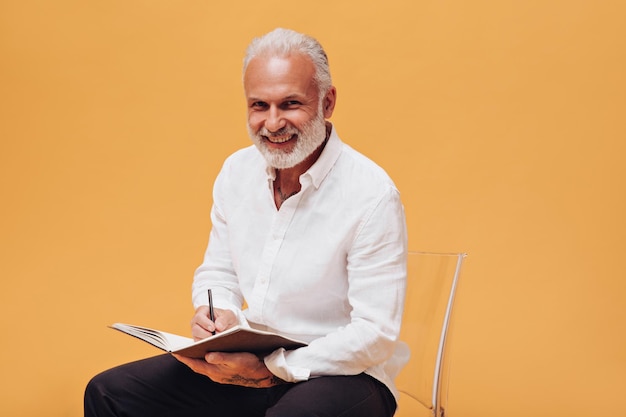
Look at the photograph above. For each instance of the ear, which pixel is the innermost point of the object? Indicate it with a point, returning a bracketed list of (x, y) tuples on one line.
[(328, 104)]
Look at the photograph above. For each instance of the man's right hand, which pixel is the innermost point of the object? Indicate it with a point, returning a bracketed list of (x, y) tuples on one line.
[(202, 326)]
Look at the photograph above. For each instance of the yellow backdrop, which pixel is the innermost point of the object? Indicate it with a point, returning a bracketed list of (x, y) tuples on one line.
[(502, 123)]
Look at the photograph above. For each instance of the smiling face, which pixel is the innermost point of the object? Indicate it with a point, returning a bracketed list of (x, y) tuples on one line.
[(286, 118)]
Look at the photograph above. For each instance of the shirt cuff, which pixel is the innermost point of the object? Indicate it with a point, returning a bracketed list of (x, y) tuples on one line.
[(277, 364)]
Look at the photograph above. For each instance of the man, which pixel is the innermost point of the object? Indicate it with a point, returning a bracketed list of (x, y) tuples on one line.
[(311, 235)]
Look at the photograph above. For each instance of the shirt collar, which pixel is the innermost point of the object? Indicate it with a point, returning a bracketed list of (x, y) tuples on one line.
[(327, 159)]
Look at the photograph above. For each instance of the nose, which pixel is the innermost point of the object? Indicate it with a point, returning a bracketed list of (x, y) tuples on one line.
[(275, 120)]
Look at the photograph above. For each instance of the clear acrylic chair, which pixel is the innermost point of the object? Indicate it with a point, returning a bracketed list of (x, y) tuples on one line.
[(432, 282)]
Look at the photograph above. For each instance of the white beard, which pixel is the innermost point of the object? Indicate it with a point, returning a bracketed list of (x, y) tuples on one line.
[(311, 137)]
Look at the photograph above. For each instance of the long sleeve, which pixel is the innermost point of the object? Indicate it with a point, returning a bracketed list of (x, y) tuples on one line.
[(217, 271)]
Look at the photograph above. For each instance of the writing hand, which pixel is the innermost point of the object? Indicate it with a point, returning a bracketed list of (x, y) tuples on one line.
[(202, 326), (245, 369)]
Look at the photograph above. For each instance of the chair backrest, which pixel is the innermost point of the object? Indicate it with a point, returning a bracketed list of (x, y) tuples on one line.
[(432, 282)]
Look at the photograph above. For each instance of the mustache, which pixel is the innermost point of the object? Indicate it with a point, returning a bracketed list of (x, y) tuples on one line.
[(280, 132)]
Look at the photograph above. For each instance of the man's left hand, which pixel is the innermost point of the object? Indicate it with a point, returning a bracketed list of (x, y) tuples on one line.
[(245, 369)]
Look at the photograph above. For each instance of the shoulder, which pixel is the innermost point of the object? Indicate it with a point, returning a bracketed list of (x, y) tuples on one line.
[(360, 169), (349, 166), (243, 162), (243, 168), (244, 156)]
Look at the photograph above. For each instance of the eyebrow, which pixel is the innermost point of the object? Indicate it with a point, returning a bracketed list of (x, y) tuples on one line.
[(288, 97)]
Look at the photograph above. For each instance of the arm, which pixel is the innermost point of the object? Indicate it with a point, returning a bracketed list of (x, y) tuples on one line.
[(217, 271)]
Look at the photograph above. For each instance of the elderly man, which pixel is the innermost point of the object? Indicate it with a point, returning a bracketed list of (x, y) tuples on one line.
[(310, 236)]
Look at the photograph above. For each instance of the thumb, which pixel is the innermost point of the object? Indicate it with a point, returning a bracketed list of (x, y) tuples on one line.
[(213, 357)]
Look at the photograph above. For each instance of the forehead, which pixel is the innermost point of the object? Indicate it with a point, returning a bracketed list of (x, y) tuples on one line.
[(274, 76)]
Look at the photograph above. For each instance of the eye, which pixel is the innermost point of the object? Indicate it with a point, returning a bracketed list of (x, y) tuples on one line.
[(291, 104), (258, 105)]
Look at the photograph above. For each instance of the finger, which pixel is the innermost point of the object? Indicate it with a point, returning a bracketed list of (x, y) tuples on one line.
[(200, 333), (191, 363), (224, 319), (180, 358), (197, 365), (215, 358), (201, 325), (232, 360), (201, 316)]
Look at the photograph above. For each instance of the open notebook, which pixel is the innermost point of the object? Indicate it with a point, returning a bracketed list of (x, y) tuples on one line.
[(235, 339)]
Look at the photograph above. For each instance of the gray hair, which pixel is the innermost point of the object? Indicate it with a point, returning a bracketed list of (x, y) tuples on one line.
[(282, 42)]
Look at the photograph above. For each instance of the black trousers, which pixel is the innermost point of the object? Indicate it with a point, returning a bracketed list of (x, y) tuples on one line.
[(162, 386)]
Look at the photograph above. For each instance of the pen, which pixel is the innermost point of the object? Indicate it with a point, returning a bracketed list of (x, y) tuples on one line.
[(211, 312)]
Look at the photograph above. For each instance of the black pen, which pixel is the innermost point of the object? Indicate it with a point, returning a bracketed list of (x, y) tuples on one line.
[(211, 312)]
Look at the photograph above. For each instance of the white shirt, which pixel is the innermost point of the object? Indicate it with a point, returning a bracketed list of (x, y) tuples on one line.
[(328, 267)]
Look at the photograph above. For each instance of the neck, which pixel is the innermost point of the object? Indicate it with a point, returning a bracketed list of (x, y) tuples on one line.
[(290, 190)]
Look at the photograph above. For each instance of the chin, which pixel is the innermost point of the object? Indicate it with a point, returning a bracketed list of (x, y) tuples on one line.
[(282, 160), (307, 141)]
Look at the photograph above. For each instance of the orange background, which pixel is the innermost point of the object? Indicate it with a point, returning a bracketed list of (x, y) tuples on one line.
[(502, 123)]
